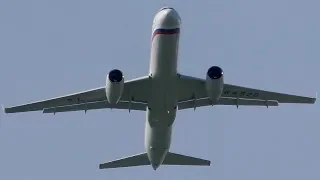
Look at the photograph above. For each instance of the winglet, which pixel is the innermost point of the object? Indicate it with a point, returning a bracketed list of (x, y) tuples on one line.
[(1, 116), (3, 108)]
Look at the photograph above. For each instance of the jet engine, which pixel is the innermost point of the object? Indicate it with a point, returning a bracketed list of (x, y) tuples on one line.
[(114, 86), (214, 83)]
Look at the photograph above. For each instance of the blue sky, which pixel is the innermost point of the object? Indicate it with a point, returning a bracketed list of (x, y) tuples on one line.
[(52, 48)]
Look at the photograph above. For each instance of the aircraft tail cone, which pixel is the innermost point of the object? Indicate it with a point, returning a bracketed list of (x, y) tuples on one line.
[(155, 166)]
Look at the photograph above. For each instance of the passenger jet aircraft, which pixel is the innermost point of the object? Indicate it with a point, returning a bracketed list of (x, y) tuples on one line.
[(161, 94)]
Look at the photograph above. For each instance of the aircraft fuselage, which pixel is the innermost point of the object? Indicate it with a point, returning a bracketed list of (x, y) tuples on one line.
[(162, 106)]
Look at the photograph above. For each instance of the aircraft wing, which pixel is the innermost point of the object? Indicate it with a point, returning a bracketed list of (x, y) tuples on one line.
[(244, 92), (134, 90), (194, 88)]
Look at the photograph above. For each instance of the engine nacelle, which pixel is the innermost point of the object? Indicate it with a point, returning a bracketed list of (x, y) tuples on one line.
[(114, 86), (214, 83)]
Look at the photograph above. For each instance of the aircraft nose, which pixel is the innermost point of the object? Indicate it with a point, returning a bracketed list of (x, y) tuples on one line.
[(168, 17)]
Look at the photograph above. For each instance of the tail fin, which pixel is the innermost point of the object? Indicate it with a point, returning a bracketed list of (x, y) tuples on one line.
[(178, 159), (135, 160)]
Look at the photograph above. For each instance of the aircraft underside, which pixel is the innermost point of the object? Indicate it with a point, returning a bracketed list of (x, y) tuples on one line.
[(161, 94)]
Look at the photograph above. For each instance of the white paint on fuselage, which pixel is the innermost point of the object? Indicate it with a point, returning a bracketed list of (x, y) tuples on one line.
[(162, 105)]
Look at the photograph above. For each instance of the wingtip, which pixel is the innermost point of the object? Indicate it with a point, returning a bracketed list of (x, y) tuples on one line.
[(315, 99), (3, 108)]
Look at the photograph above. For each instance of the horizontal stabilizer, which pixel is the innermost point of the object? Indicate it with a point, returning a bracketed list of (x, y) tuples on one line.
[(136, 160), (178, 159)]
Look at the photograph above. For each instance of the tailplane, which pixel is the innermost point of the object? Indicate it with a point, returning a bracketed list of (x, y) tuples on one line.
[(135, 160), (142, 160), (182, 160)]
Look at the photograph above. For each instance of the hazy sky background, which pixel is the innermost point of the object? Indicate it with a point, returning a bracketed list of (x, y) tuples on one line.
[(57, 47)]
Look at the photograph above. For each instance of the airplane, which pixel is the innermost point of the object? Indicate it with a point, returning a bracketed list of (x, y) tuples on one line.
[(161, 94)]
